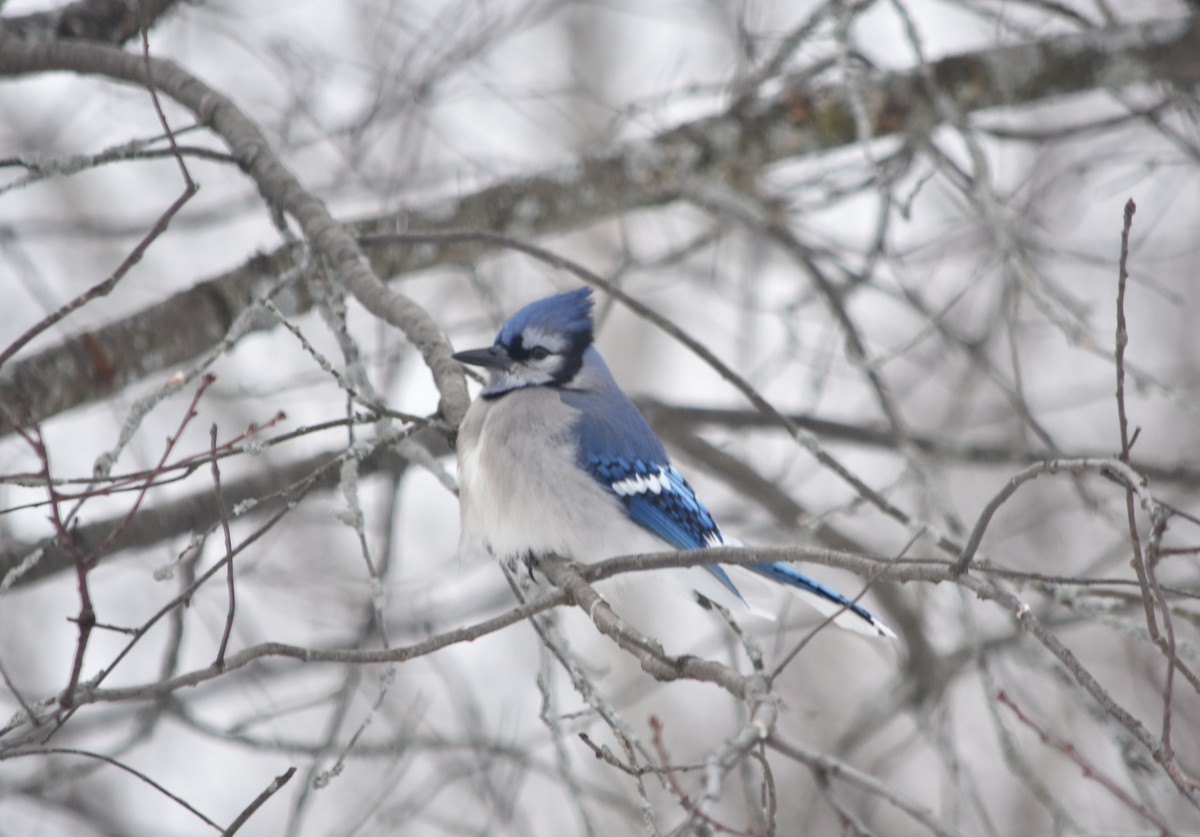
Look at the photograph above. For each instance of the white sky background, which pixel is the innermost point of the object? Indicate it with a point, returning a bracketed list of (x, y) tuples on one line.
[(507, 91)]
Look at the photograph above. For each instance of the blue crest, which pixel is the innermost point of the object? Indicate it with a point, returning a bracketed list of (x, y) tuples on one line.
[(569, 314)]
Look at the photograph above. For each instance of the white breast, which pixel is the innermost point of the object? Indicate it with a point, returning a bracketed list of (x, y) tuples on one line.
[(522, 492)]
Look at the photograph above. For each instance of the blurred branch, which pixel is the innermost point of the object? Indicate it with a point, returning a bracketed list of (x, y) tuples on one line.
[(1070, 751), (1118, 472), (926, 570), (1054, 602), (86, 694), (111, 21), (135, 255), (100, 757), (824, 765), (574, 583), (269, 791), (668, 417), (275, 182), (800, 121), (266, 488), (747, 482)]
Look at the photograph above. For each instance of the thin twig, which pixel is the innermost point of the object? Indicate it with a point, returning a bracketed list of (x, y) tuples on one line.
[(224, 518), (1119, 471), (828, 620), (109, 542), (694, 809), (105, 287), (1144, 562), (1089, 770), (1138, 562), (33, 718), (69, 751), (267, 793), (835, 769)]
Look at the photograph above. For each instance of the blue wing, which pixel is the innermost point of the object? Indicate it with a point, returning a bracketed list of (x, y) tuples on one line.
[(621, 452), (658, 498)]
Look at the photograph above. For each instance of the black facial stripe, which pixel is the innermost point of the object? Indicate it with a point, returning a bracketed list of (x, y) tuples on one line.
[(573, 357), (516, 349)]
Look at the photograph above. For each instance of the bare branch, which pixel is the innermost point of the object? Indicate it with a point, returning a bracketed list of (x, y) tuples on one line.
[(799, 122)]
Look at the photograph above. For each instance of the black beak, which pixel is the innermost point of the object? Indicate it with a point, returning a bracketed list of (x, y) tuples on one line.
[(493, 357)]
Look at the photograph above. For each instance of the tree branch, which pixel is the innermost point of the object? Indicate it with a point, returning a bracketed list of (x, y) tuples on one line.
[(111, 21), (275, 182), (803, 120)]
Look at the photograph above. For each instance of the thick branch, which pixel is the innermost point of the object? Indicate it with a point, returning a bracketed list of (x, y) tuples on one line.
[(275, 182), (266, 487), (798, 122)]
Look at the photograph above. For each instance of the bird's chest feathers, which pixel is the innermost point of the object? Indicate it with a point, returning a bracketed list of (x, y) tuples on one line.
[(521, 488)]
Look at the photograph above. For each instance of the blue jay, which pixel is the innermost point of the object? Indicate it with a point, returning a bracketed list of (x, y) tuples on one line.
[(554, 458)]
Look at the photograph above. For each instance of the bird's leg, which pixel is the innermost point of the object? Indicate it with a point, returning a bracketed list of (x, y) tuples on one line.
[(531, 561)]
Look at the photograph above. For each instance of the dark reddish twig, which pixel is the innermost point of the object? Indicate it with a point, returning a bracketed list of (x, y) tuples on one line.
[(105, 626), (105, 287), (87, 616), (135, 255), (86, 619), (293, 499), (188, 464), (160, 225), (115, 534), (1069, 750), (1178, 550), (224, 517), (656, 731)]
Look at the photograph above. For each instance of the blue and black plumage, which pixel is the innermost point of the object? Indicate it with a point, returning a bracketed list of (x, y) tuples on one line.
[(555, 458)]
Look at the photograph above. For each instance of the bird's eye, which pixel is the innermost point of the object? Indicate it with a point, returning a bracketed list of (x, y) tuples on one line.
[(539, 353)]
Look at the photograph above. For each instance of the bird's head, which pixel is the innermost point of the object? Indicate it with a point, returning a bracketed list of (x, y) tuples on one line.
[(542, 344)]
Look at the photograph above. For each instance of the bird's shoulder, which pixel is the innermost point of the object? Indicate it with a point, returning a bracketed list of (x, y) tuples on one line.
[(619, 450)]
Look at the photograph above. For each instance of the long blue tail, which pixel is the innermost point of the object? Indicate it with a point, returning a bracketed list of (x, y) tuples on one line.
[(824, 598)]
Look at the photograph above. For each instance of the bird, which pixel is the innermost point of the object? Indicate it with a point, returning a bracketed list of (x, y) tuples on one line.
[(554, 458)]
